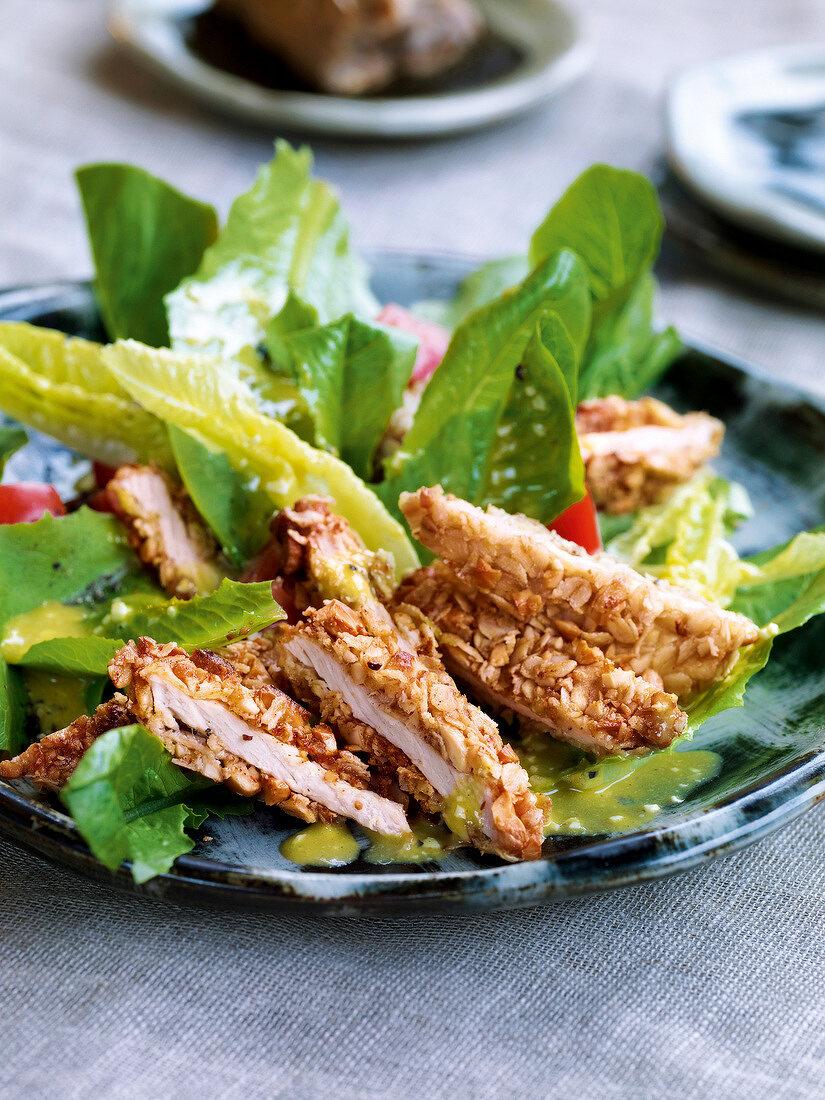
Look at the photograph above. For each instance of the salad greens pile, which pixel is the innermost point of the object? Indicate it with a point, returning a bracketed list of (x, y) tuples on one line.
[(248, 362)]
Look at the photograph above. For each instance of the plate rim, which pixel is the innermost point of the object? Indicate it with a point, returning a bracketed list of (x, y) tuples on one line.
[(727, 193), (388, 118), (608, 863)]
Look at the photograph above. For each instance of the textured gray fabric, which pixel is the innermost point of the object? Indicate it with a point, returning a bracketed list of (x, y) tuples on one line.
[(704, 986)]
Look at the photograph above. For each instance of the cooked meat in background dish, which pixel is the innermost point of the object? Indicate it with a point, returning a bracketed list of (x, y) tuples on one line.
[(667, 634), (353, 47), (562, 683), (166, 531), (49, 763), (257, 741), (354, 665), (636, 451)]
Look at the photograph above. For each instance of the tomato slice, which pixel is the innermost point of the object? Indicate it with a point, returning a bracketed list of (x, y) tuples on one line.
[(579, 523), (28, 501)]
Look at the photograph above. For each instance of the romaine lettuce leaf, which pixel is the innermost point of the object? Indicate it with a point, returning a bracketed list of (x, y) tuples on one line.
[(145, 237), (466, 432), (730, 691), (82, 656), (11, 440), (627, 353), (233, 611), (352, 377), (233, 505), (191, 392), (784, 586), (610, 218), (481, 287), (130, 802), (12, 709), (287, 232), (684, 540), (60, 385), (59, 559)]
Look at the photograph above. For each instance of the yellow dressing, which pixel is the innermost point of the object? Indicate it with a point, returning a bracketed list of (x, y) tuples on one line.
[(427, 842), (321, 845), (462, 808), (56, 700), (613, 795), (51, 620)]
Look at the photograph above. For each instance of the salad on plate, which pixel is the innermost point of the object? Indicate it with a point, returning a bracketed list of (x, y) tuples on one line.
[(416, 578)]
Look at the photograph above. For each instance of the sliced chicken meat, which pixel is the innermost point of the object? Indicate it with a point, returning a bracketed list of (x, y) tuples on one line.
[(166, 531), (563, 684), (451, 753), (635, 452), (256, 740), (668, 634)]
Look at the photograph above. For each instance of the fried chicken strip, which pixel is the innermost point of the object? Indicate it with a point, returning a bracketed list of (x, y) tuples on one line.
[(651, 627), (635, 452), (165, 530), (49, 763), (356, 662), (257, 741), (561, 683)]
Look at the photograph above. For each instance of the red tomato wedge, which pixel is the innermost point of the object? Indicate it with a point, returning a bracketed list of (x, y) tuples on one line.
[(579, 524), (28, 501)]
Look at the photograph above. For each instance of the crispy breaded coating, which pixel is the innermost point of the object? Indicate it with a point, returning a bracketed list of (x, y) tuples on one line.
[(476, 781), (166, 531), (314, 554), (258, 741), (652, 627), (635, 452), (565, 685), (49, 763)]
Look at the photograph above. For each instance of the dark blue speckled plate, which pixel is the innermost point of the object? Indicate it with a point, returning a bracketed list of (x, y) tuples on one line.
[(772, 750)]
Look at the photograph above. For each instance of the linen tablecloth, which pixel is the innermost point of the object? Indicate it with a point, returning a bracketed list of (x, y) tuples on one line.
[(707, 985)]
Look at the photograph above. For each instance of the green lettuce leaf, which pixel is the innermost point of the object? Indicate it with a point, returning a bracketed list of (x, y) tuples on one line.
[(628, 354), (233, 505), (286, 233), (295, 316), (610, 218), (233, 611), (130, 802), (191, 393), (60, 385), (12, 709), (352, 378), (784, 586), (483, 409), (163, 233), (60, 559), (484, 285), (684, 540), (730, 691), (11, 440), (82, 656)]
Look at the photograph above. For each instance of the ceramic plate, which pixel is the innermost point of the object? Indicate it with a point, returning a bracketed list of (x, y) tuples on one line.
[(533, 50), (772, 752), (748, 135)]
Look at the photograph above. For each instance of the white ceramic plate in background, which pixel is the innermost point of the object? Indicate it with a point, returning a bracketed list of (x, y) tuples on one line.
[(747, 134), (545, 32)]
